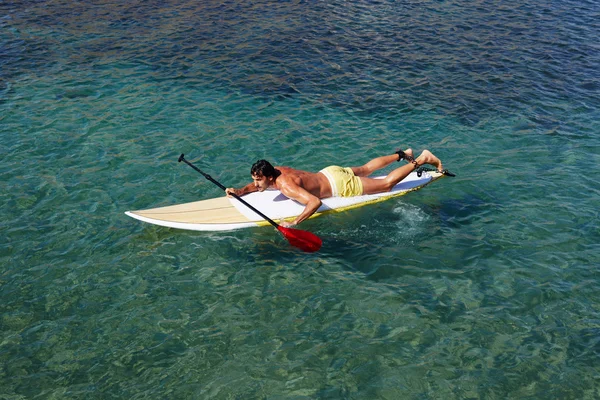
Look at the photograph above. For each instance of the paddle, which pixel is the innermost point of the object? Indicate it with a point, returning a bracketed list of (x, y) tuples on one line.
[(304, 240)]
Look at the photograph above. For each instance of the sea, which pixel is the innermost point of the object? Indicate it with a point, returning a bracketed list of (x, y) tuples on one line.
[(481, 286)]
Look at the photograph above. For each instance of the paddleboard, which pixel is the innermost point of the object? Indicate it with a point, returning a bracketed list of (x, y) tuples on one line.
[(224, 213)]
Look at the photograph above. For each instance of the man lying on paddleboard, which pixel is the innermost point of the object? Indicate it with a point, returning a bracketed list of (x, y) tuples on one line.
[(309, 188)]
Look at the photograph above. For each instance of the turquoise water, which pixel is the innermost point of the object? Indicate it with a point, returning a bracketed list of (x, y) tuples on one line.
[(482, 286)]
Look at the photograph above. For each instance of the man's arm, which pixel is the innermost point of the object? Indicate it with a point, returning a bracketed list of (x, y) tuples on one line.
[(249, 188), (301, 195)]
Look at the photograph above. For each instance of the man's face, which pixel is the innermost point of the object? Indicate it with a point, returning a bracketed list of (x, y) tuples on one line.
[(262, 182)]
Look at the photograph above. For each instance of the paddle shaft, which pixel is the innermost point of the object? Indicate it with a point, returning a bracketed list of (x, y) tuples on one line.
[(244, 202)]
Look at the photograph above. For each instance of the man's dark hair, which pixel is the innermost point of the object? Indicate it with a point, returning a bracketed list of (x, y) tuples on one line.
[(263, 168)]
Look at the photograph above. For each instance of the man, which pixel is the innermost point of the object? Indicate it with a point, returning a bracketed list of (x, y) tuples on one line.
[(309, 188)]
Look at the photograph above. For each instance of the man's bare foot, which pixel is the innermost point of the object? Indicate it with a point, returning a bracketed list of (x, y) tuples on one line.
[(427, 157)]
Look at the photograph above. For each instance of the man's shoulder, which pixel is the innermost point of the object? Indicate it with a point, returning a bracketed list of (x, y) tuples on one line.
[(289, 178), (287, 172)]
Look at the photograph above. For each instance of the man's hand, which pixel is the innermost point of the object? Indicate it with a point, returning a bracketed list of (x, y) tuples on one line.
[(230, 191), (287, 224)]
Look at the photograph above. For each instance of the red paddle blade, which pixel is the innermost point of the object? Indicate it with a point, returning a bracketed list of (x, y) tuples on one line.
[(303, 240)]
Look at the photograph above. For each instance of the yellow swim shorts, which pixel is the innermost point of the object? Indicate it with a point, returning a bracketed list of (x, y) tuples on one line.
[(343, 181)]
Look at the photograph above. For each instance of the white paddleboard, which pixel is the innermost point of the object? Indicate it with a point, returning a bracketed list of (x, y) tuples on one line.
[(224, 213)]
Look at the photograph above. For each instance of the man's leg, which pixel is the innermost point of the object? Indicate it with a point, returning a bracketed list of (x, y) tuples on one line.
[(372, 186), (378, 163)]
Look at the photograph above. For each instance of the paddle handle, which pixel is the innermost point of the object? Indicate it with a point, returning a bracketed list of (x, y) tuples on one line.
[(244, 202)]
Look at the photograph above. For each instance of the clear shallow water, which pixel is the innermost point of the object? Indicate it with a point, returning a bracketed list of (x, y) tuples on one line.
[(483, 286)]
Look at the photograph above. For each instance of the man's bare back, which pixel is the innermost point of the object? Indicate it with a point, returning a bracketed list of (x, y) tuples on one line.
[(314, 183), (309, 188)]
